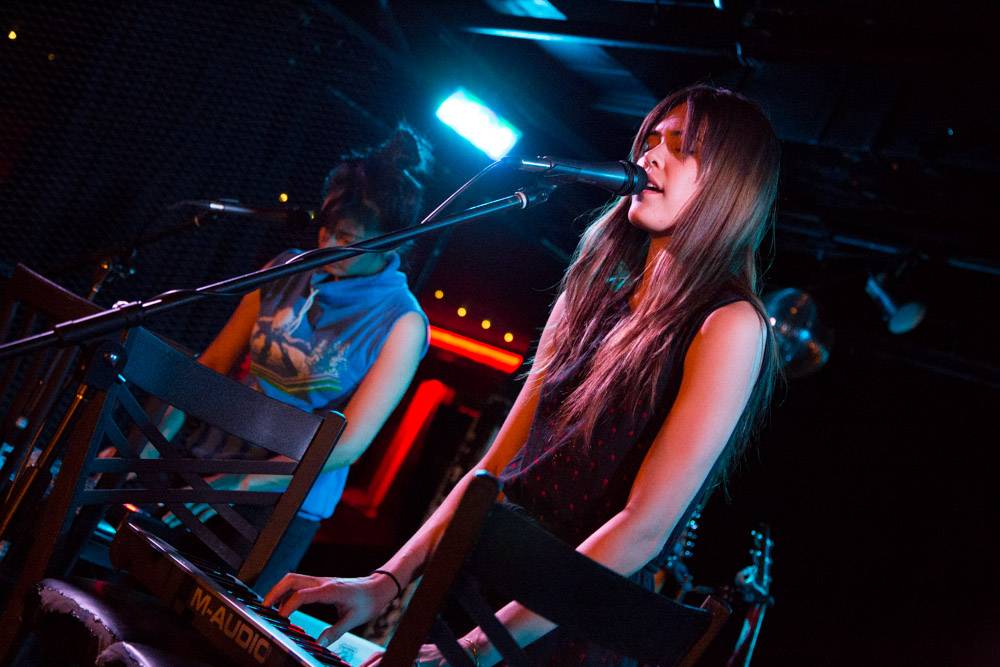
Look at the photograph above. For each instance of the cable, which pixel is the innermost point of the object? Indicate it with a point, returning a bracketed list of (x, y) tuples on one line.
[(440, 207)]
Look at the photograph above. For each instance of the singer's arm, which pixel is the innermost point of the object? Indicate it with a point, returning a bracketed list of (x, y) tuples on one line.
[(223, 352)]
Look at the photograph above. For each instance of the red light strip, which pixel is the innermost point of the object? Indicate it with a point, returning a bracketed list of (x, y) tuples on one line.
[(481, 353), (429, 395)]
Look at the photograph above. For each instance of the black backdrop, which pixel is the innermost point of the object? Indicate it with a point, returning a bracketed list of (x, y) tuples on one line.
[(877, 474), (142, 105)]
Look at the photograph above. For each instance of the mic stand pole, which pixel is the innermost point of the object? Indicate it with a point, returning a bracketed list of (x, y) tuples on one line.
[(130, 314)]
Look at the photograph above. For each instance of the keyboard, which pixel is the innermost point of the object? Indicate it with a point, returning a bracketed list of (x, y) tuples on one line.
[(224, 610)]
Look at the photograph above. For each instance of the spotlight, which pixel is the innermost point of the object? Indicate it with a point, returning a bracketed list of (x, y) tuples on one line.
[(803, 342), (480, 125), (899, 319)]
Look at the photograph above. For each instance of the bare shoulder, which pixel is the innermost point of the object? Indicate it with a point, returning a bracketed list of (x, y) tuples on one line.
[(558, 308), (408, 332), (410, 323), (732, 338), (737, 321)]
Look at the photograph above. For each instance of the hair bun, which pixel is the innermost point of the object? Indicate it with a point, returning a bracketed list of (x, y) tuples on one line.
[(405, 150)]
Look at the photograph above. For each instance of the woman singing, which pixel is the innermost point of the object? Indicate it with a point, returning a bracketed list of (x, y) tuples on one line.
[(654, 366)]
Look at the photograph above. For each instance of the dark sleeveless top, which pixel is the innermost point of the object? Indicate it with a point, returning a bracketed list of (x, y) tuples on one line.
[(572, 490)]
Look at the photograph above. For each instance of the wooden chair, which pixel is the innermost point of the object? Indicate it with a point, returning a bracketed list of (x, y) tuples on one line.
[(32, 386), (120, 378), (488, 546)]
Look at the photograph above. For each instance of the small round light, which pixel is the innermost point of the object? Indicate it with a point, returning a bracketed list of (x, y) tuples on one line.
[(462, 312), (509, 337), (11, 35), (283, 197), (486, 324), (52, 57), (438, 294)]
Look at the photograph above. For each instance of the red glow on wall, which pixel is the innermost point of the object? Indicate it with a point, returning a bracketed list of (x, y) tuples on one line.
[(481, 353), (429, 395)]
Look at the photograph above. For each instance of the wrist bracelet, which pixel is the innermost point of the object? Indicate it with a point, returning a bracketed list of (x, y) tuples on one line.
[(399, 589)]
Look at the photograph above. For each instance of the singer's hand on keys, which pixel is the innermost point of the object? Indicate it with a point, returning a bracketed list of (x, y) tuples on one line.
[(356, 600)]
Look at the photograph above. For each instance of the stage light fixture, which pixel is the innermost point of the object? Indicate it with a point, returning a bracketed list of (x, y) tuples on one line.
[(462, 312), (536, 9), (478, 124), (12, 35), (899, 319), (508, 337), (486, 324), (438, 294), (283, 197), (803, 342)]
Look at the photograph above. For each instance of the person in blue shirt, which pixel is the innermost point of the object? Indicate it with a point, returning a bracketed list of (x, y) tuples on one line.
[(345, 337)]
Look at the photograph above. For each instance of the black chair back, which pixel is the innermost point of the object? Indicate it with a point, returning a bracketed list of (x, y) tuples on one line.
[(122, 379), (33, 386), (490, 547)]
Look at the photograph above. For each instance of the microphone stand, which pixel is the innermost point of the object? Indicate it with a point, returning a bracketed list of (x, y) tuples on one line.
[(129, 314)]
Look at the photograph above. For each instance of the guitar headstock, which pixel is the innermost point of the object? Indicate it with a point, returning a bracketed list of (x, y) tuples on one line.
[(754, 581), (683, 549)]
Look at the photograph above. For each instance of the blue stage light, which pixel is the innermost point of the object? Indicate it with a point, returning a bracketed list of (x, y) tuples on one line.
[(536, 9), (479, 124)]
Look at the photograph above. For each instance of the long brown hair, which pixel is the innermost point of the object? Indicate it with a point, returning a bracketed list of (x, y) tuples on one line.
[(713, 248)]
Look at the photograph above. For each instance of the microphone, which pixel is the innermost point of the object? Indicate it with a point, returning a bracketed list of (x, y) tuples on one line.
[(621, 177), (289, 215)]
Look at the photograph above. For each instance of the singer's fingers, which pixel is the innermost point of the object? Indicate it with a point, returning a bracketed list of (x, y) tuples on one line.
[(337, 630), (301, 597), (287, 585)]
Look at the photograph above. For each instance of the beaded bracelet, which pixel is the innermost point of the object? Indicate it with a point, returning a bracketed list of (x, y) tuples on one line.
[(399, 589)]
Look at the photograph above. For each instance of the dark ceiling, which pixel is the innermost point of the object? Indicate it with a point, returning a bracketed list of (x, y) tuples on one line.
[(890, 146)]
